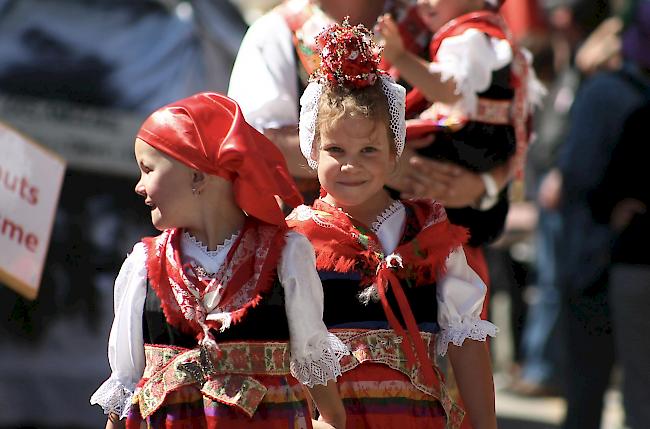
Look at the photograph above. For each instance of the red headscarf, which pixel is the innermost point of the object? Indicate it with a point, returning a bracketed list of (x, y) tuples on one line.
[(207, 132)]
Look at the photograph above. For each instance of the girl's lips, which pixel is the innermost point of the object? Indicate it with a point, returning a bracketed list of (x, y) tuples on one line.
[(357, 183)]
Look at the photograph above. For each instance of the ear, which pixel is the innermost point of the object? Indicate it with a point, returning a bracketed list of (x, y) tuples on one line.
[(199, 181)]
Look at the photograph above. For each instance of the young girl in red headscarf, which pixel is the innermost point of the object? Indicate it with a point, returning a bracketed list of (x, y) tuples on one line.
[(214, 314), (397, 284)]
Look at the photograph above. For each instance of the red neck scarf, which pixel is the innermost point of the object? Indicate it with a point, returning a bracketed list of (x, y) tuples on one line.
[(196, 306), (343, 246)]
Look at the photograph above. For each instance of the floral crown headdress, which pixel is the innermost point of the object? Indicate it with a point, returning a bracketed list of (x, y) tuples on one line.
[(348, 59)]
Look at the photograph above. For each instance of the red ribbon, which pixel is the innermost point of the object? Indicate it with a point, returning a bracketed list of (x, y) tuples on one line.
[(411, 338)]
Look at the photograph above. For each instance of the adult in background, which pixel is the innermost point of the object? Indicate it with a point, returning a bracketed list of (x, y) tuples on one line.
[(602, 106), (622, 202), (542, 363)]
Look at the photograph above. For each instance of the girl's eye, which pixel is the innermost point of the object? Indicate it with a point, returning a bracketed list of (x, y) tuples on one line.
[(333, 149), (144, 168), (369, 149)]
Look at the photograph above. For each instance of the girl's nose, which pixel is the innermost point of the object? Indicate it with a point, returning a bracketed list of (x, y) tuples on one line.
[(139, 188), (349, 163), (347, 166)]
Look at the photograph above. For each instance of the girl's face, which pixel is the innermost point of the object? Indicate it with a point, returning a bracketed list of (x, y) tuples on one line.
[(355, 160), (166, 186), (436, 13)]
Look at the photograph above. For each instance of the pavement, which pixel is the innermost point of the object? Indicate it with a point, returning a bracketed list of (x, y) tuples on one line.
[(520, 412)]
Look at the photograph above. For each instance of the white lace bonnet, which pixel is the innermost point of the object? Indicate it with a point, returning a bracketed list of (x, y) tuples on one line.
[(349, 58)]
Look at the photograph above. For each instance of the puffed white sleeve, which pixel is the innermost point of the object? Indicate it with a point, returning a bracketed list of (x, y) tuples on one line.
[(461, 294), (315, 353), (125, 343), (469, 59), (264, 76)]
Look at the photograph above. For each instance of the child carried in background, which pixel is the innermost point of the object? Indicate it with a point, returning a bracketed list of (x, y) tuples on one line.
[(476, 95), (214, 314), (396, 282)]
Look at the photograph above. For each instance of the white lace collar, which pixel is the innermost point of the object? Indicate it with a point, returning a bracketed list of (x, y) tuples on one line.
[(395, 208), (196, 251)]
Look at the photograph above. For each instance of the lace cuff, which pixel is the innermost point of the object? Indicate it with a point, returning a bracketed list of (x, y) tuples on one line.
[(323, 363), (113, 397), (477, 330)]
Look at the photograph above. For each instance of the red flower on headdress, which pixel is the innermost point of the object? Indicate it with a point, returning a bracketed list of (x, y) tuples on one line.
[(348, 55)]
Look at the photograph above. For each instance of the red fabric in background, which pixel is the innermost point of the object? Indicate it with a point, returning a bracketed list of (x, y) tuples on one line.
[(523, 17)]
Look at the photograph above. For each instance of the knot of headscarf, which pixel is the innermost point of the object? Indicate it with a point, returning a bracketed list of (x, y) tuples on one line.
[(208, 132)]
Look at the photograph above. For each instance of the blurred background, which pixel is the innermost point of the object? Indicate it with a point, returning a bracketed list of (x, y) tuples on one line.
[(79, 76)]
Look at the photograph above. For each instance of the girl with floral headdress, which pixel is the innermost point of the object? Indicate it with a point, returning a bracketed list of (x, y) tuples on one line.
[(397, 284), (214, 314)]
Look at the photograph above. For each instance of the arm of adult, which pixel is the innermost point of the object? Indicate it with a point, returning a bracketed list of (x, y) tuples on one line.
[(288, 141), (264, 82)]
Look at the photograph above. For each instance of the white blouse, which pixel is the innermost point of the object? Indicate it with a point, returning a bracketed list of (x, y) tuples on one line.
[(470, 59), (315, 353), (460, 293), (264, 77)]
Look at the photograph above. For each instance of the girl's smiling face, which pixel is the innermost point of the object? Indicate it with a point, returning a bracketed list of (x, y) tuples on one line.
[(166, 186), (355, 159)]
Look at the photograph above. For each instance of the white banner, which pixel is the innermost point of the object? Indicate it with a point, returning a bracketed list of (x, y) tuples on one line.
[(30, 183), (89, 138)]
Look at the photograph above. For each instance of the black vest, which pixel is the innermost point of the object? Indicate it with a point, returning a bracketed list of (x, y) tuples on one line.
[(342, 305), (265, 322)]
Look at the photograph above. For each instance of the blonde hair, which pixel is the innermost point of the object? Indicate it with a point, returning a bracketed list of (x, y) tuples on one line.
[(338, 102)]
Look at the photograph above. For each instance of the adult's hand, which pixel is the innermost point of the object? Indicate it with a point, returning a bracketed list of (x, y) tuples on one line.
[(400, 180), (450, 184), (287, 140), (550, 190)]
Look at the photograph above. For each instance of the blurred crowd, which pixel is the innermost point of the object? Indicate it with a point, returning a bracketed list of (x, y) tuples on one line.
[(572, 259)]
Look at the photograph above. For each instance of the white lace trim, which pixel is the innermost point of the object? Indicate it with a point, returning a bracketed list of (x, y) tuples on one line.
[(322, 361), (113, 397), (204, 248), (477, 330), (394, 208), (308, 117), (395, 95)]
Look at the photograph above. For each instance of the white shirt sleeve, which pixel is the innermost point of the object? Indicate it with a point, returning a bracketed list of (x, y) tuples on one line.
[(469, 59), (315, 353), (125, 344), (264, 78), (460, 294)]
